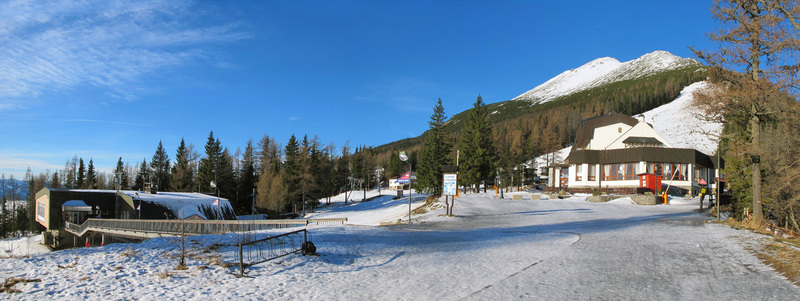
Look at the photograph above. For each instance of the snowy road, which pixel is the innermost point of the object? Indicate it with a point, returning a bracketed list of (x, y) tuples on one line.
[(494, 250)]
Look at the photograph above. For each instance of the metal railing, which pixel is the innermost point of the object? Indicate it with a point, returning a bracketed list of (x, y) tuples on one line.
[(190, 227), (272, 247)]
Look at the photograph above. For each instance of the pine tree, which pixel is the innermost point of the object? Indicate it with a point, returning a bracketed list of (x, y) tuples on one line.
[(477, 151), (121, 175), (291, 173), (247, 179), (434, 153), (343, 171), (55, 182), (313, 177), (142, 177), (81, 177), (226, 176), (182, 171), (395, 167), (210, 165), (91, 176), (160, 166)]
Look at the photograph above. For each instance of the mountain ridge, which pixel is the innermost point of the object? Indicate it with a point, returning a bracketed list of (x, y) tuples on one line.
[(603, 71)]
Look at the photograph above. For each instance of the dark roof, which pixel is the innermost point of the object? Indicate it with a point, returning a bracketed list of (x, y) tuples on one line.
[(646, 154), (586, 130), (642, 140)]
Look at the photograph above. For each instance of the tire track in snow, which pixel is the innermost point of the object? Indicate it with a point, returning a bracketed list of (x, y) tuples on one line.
[(525, 268)]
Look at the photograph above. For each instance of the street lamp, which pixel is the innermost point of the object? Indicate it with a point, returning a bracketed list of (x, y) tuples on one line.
[(140, 205), (500, 181), (404, 158)]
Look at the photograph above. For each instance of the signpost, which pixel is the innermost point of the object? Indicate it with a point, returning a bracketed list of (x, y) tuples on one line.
[(449, 183), (449, 187)]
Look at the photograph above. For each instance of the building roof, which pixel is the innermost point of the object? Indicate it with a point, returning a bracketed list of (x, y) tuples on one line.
[(586, 130), (642, 140)]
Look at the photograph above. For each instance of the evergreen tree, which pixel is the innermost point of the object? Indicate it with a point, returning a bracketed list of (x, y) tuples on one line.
[(291, 173), (226, 177), (327, 172), (210, 165), (434, 153), (81, 176), (142, 177), (91, 176), (121, 175), (247, 179), (343, 170), (312, 176), (182, 171), (395, 167), (160, 166), (55, 182), (477, 152)]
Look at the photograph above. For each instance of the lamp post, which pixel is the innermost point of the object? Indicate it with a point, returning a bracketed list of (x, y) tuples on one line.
[(140, 205), (404, 158), (500, 181), (214, 185)]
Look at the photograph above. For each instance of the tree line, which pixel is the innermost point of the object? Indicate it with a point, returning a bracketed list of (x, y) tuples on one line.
[(267, 177)]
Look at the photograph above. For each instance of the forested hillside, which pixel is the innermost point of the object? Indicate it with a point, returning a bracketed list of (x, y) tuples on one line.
[(522, 130)]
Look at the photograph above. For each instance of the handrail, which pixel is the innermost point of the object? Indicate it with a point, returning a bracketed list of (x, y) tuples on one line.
[(191, 227)]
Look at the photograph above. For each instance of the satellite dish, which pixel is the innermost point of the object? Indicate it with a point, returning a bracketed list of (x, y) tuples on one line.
[(403, 156)]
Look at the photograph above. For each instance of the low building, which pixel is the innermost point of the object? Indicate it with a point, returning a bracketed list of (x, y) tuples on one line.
[(615, 152), (56, 206)]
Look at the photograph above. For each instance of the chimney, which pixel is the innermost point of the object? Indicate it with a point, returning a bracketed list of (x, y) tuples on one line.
[(640, 117), (150, 189)]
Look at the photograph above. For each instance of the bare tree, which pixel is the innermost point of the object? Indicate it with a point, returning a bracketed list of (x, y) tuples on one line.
[(757, 50)]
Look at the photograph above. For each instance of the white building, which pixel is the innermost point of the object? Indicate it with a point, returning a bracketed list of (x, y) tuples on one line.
[(611, 152)]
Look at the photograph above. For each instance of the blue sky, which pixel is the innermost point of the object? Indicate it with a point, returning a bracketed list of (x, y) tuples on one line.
[(108, 79)]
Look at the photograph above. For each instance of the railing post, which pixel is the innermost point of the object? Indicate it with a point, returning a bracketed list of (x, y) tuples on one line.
[(241, 260)]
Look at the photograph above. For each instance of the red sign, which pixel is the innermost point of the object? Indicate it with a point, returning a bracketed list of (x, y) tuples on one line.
[(405, 178)]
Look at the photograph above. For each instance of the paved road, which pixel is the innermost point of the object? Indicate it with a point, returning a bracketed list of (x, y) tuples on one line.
[(643, 254)]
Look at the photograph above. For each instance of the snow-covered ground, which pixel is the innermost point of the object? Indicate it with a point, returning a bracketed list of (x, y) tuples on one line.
[(684, 126), (494, 249)]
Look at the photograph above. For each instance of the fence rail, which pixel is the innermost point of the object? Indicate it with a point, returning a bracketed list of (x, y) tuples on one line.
[(142, 228)]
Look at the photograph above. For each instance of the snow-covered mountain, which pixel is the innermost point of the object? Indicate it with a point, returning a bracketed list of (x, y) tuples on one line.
[(13, 189), (604, 71)]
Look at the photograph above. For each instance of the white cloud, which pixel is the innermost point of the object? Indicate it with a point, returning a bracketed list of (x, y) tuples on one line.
[(111, 44)]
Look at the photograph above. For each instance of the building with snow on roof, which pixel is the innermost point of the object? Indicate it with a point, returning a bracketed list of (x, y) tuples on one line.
[(56, 207), (617, 153)]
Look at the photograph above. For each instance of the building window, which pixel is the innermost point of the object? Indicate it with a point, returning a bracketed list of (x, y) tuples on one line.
[(678, 171), (619, 130), (40, 209), (579, 172), (700, 173), (592, 172), (619, 171)]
